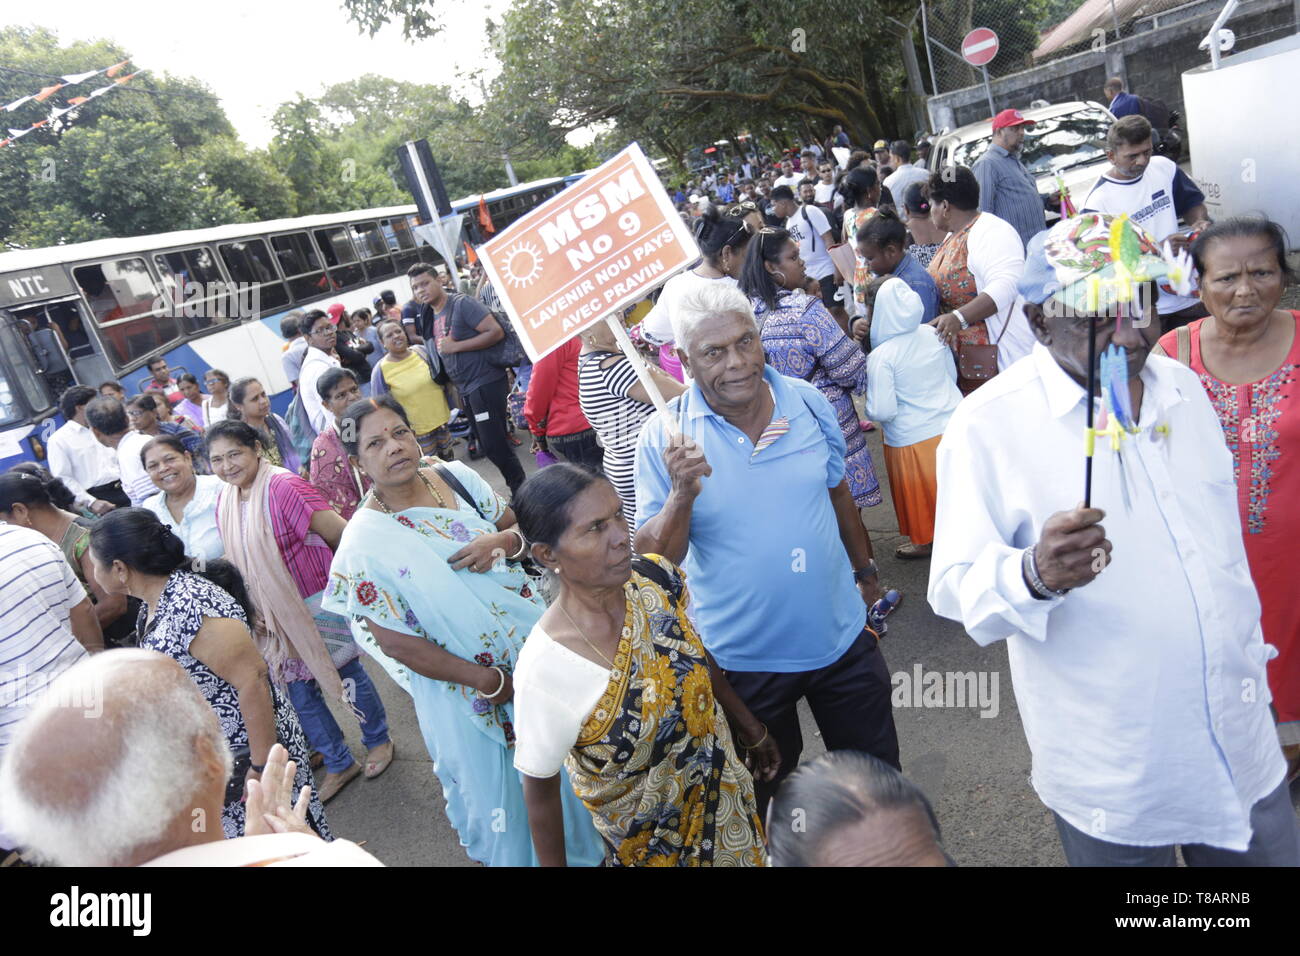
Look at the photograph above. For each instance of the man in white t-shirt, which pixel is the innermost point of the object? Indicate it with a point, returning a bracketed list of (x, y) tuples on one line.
[(824, 192), (809, 227), (111, 428), (788, 175), (1155, 194)]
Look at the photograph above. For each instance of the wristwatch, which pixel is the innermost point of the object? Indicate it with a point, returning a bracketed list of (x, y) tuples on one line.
[(870, 571)]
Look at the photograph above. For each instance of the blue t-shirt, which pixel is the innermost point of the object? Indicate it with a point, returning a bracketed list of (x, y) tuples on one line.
[(771, 582)]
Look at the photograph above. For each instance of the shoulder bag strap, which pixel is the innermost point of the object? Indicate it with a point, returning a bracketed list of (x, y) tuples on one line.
[(456, 487), (804, 209), (1184, 339)]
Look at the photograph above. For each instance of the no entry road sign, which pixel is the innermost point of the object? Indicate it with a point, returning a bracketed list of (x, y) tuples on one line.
[(980, 46)]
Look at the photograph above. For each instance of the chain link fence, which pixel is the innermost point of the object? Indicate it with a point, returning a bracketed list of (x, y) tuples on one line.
[(1030, 32)]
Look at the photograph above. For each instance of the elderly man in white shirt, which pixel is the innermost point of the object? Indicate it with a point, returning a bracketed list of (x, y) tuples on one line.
[(1135, 648), (321, 335), (76, 456)]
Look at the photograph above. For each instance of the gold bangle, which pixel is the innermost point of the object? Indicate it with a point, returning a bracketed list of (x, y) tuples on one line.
[(758, 743)]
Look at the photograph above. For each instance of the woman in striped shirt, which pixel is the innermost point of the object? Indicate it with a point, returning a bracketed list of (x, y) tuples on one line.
[(281, 533), (617, 405)]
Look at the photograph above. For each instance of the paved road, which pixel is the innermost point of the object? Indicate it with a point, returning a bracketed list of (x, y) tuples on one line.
[(974, 768)]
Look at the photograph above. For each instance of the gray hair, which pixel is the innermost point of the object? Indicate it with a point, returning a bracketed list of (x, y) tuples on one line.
[(92, 789), (718, 297), (838, 790)]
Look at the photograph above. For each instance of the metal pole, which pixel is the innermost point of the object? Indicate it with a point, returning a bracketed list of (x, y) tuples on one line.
[(988, 91), (1228, 10), (1115, 18), (925, 33)]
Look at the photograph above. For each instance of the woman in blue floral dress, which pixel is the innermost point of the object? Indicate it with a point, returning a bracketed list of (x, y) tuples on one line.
[(420, 571), (802, 340)]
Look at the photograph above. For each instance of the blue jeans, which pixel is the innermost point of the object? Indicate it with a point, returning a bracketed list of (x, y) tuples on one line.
[(1274, 841), (323, 731)]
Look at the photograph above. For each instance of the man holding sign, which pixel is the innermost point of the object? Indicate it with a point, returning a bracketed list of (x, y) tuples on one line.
[(745, 471)]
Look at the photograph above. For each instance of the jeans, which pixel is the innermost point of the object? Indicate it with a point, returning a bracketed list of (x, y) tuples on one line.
[(323, 731), (850, 699), (487, 410), (581, 448), (1274, 841)]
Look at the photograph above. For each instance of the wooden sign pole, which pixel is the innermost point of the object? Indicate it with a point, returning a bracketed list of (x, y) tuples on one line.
[(615, 323)]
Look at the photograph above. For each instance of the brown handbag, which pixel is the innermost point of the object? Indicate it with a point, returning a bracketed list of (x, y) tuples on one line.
[(976, 364)]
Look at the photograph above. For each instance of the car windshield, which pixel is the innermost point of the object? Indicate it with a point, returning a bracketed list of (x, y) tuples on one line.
[(1053, 145)]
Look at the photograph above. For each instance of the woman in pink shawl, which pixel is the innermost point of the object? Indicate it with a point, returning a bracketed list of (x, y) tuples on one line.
[(281, 534)]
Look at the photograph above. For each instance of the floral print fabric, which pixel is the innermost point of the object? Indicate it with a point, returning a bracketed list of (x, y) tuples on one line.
[(655, 762)]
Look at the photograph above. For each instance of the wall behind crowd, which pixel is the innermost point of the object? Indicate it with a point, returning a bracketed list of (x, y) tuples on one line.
[(1153, 62)]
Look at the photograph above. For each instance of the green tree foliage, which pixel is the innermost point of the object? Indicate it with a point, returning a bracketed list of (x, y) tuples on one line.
[(679, 72), (157, 155)]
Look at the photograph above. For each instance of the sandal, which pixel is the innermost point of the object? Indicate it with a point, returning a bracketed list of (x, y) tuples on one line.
[(913, 552), (334, 782), (378, 759)]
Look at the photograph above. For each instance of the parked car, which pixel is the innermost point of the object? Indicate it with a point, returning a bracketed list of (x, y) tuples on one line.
[(1068, 139)]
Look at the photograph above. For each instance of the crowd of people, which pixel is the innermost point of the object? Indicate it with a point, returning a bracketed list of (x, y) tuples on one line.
[(580, 702)]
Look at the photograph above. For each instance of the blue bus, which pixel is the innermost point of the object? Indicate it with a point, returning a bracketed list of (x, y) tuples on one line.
[(185, 296)]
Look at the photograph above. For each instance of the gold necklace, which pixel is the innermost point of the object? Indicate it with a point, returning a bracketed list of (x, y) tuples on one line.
[(584, 636), (437, 495)]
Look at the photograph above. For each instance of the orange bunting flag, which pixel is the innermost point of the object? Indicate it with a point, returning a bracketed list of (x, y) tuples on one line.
[(5, 142), (470, 255), (484, 217), (47, 92), (77, 100), (116, 68), (123, 79), (39, 124)]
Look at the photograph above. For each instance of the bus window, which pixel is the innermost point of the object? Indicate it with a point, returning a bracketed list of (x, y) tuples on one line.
[(195, 286), (374, 251), (301, 266), (21, 390), (133, 318), (340, 258), (401, 242), (249, 262)]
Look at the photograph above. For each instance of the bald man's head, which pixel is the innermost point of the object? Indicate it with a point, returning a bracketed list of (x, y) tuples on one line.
[(102, 786), (848, 808)]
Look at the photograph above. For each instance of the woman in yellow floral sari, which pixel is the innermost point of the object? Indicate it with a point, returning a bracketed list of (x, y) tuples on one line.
[(614, 685)]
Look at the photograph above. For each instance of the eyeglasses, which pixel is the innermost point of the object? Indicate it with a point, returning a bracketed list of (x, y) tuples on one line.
[(743, 208)]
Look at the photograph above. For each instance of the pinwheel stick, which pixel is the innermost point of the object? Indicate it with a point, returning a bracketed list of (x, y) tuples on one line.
[(1090, 435)]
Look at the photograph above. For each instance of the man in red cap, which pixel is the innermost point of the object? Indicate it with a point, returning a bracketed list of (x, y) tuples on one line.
[(336, 312), (1007, 189)]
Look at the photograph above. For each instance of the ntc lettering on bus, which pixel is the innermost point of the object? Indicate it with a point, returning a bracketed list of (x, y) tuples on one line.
[(590, 211)]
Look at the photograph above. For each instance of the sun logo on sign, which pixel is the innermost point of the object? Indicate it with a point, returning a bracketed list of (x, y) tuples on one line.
[(523, 264)]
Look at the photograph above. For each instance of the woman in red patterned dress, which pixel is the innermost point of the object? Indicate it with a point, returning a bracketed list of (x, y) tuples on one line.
[(1247, 352)]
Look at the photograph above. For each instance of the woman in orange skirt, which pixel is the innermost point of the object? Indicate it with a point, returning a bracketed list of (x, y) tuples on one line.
[(911, 392)]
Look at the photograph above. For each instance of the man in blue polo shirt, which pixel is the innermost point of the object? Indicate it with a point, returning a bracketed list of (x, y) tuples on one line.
[(748, 474)]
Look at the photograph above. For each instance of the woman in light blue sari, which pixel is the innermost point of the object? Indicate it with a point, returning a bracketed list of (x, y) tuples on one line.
[(420, 573)]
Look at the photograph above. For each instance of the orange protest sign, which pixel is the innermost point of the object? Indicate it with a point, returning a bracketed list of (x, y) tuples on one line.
[(600, 245)]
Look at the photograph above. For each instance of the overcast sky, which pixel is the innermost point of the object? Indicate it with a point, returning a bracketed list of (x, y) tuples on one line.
[(255, 54)]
